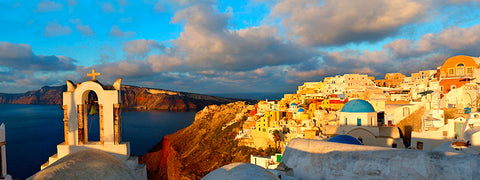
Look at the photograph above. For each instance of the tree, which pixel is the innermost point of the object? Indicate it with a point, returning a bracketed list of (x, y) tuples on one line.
[(277, 137)]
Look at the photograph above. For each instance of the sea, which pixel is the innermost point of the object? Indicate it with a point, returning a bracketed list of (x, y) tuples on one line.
[(33, 132)]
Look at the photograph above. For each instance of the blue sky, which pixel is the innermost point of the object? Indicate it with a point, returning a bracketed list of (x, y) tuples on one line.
[(228, 46)]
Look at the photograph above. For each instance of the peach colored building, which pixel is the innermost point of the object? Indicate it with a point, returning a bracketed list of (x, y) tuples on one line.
[(391, 80)]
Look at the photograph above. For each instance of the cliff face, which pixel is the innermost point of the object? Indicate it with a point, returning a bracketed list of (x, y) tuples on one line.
[(140, 98), (202, 147), (46, 95), (136, 98)]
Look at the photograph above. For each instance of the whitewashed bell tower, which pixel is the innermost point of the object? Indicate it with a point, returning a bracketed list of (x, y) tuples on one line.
[(75, 103)]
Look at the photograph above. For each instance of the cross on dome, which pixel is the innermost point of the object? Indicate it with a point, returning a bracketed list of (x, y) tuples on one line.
[(93, 74)]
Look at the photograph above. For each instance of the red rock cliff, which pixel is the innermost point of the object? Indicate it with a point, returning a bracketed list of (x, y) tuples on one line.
[(202, 147)]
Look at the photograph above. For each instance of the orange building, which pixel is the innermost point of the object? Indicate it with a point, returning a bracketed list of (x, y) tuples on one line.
[(458, 66), (456, 72)]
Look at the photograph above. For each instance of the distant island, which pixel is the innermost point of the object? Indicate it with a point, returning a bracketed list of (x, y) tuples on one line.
[(133, 98)]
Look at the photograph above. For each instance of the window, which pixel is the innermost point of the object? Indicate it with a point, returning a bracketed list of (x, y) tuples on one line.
[(460, 69), (406, 111), (345, 121), (420, 145), (359, 122), (469, 70), (451, 71), (453, 87)]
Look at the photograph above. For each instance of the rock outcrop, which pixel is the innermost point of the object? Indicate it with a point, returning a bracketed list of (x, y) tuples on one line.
[(202, 147), (133, 98)]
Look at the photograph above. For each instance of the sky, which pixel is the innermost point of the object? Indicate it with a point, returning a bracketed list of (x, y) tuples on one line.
[(215, 47)]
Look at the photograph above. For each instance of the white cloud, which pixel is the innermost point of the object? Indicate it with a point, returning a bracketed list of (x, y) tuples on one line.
[(208, 44), (72, 3), (115, 31), (337, 22), (49, 6), (163, 63), (141, 47), (21, 57), (83, 29), (107, 7), (159, 7), (123, 2), (54, 29)]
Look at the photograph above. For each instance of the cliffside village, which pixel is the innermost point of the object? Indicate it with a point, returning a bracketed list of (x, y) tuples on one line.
[(430, 109)]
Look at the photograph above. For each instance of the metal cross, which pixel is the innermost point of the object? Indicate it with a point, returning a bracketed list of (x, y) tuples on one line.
[(93, 74)]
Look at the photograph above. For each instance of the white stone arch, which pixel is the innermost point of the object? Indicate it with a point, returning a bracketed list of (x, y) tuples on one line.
[(74, 101), (367, 137), (81, 92), (81, 100)]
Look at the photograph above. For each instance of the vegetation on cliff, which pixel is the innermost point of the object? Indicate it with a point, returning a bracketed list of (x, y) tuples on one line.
[(202, 147)]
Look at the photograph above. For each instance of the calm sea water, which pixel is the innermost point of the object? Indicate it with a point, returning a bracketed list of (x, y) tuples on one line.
[(33, 131)]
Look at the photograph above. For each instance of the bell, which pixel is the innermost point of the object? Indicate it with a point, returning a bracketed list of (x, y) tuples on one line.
[(93, 110)]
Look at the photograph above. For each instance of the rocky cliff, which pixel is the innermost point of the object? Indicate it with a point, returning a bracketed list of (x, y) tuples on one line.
[(46, 95), (136, 98), (202, 147)]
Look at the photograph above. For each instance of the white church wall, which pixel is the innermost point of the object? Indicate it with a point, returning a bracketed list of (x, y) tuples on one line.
[(400, 113), (428, 140), (351, 119), (369, 162)]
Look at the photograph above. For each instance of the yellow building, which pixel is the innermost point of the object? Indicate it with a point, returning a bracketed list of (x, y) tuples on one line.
[(332, 104), (305, 115), (262, 125), (273, 118)]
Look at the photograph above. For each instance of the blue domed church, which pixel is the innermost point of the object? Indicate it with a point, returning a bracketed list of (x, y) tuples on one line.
[(358, 113), (358, 119)]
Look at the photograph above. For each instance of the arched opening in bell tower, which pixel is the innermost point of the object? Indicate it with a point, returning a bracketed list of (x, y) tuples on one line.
[(93, 118)]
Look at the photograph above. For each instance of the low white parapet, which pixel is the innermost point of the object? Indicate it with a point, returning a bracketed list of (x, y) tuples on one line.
[(120, 151)]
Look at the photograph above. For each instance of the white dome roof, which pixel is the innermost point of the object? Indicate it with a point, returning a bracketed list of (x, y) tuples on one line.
[(240, 171), (86, 164)]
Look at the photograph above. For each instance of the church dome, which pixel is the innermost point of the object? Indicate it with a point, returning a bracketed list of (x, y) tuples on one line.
[(345, 139), (239, 171), (293, 104), (358, 106), (86, 164), (301, 110)]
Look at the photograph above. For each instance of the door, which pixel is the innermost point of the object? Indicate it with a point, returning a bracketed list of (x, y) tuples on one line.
[(359, 122), (458, 129)]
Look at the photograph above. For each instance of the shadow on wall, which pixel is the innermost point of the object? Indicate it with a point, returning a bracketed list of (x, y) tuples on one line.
[(407, 135)]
